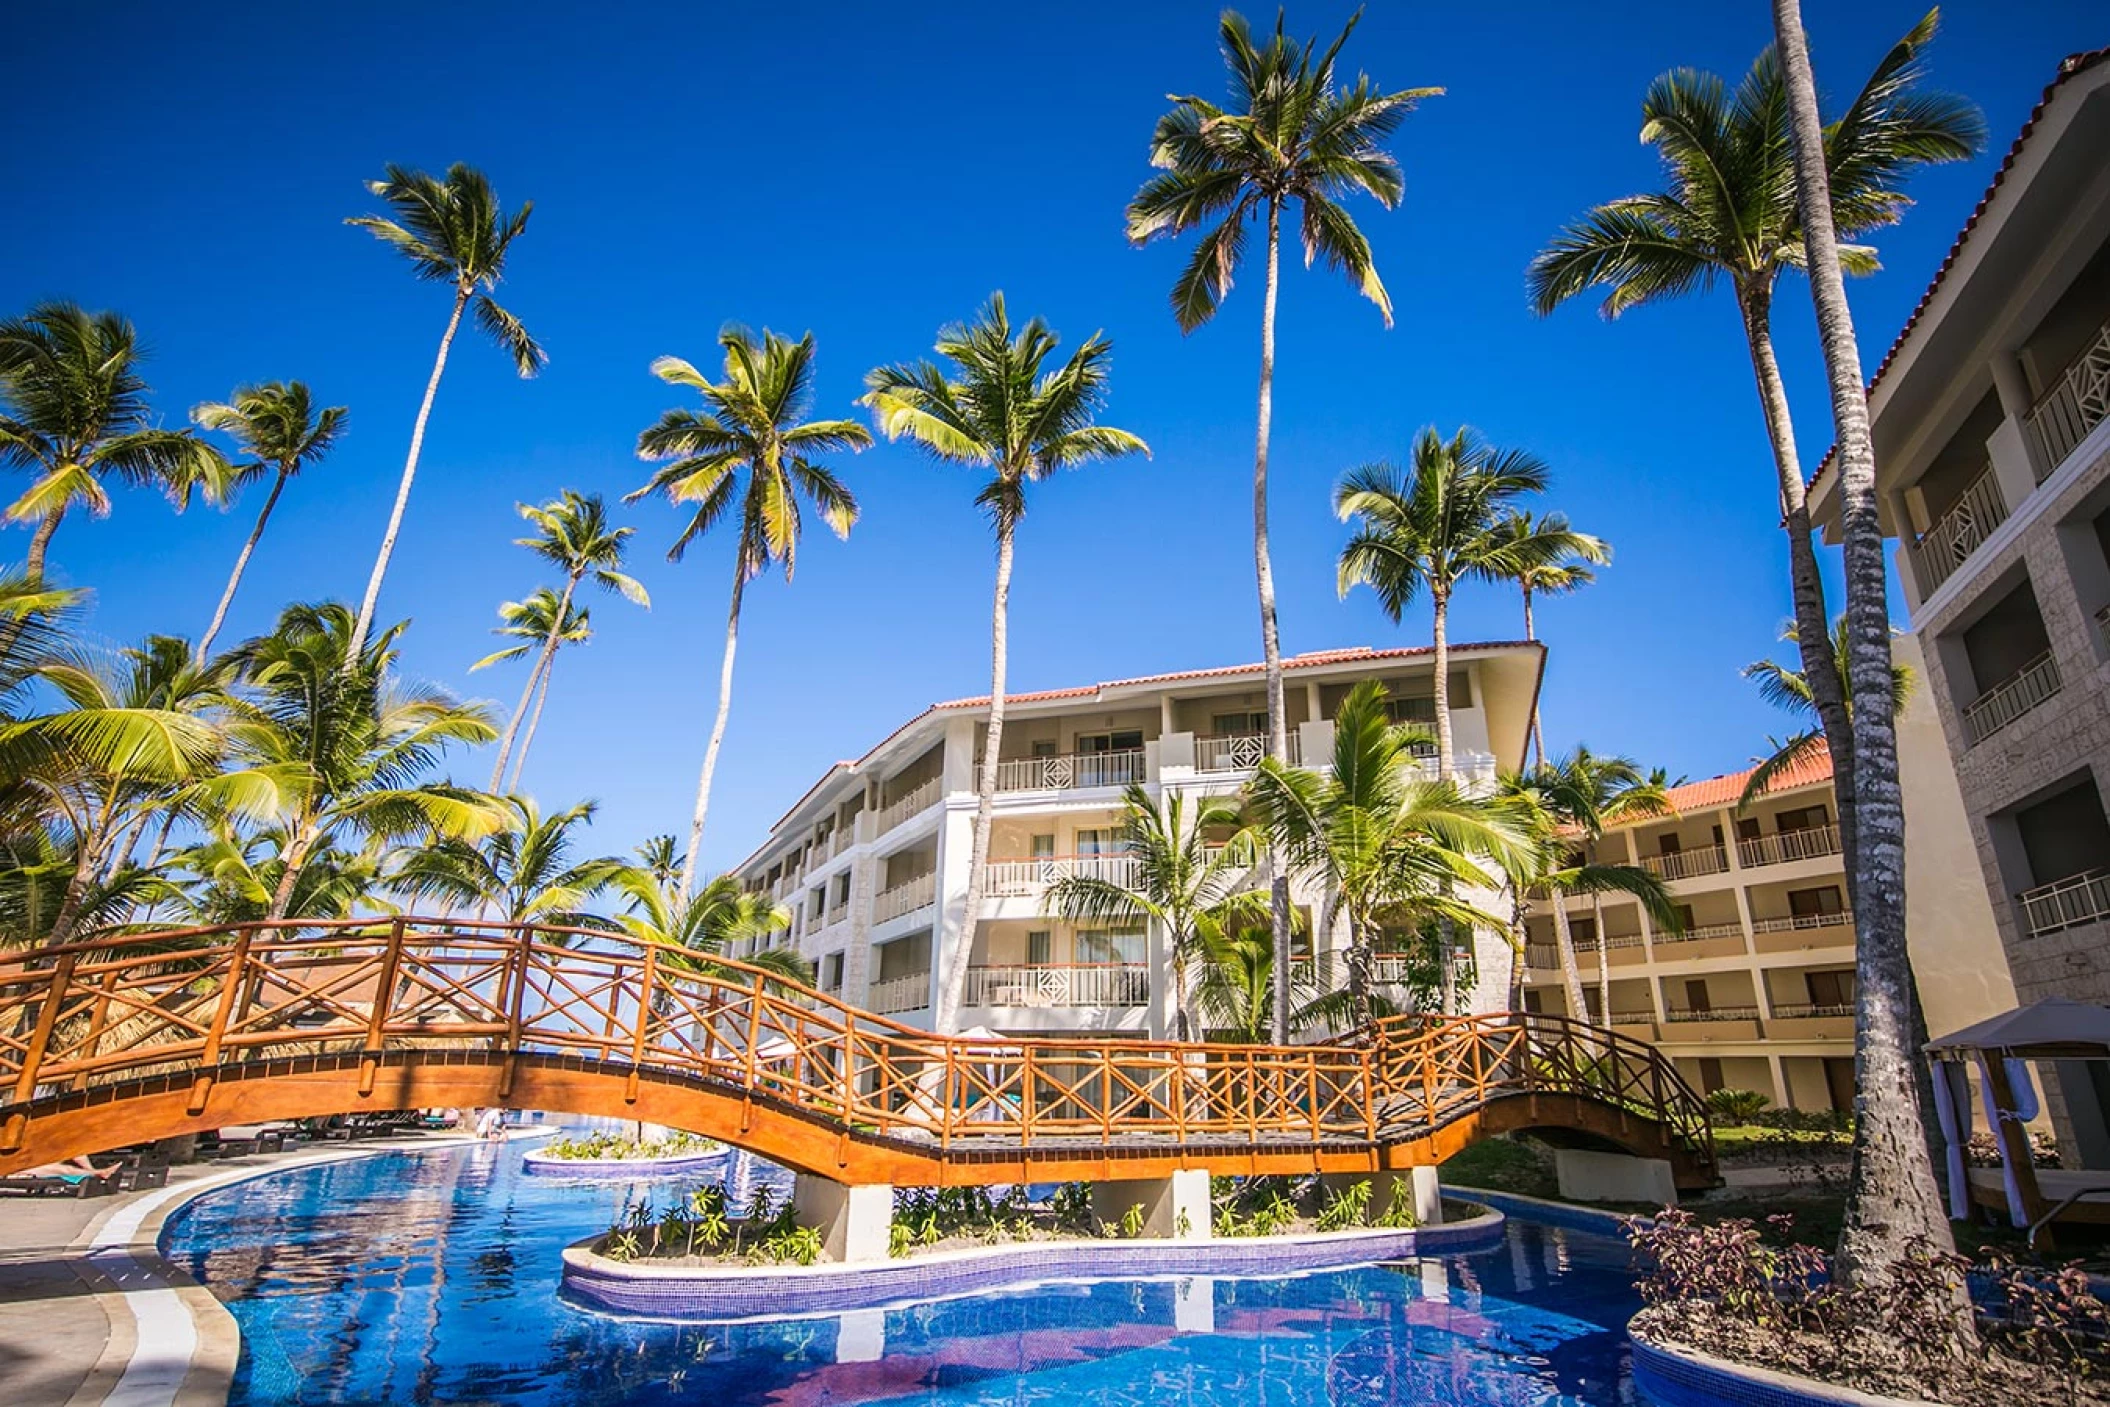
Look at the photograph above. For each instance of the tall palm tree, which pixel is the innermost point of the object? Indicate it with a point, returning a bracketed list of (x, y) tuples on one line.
[(329, 747), (234, 877), (525, 872), (277, 425), (1786, 687), (998, 411), (38, 871), (1235, 996), (705, 923), (1729, 214), (1442, 521), (73, 413), (573, 534), (453, 231), (534, 622), (1893, 1202), (754, 421), (1565, 571), (657, 857), (1183, 882), (1388, 846), (1290, 136)]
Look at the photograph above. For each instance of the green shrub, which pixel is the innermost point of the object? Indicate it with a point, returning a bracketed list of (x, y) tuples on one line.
[(1346, 1207), (1737, 1106)]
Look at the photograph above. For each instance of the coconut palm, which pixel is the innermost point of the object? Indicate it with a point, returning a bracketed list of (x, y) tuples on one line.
[(1786, 687), (573, 534), (656, 856), (1565, 571), (74, 414), (1893, 1206), (705, 923), (1729, 214), (1444, 520), (453, 231), (234, 877), (534, 622), (331, 749), (278, 426), (1235, 996), (1291, 136), (1387, 846), (997, 410), (1182, 881), (753, 421), (523, 873), (38, 875)]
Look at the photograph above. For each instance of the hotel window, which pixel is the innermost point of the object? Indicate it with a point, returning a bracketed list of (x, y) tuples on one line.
[(1830, 988), (1111, 946), (1101, 842), (1126, 740), (1238, 724), (832, 972), (1805, 819), (1039, 948), (1809, 903)]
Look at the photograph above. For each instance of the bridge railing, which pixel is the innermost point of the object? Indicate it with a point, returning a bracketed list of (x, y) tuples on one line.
[(197, 1001)]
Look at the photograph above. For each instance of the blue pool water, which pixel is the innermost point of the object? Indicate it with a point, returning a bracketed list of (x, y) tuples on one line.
[(431, 1278)]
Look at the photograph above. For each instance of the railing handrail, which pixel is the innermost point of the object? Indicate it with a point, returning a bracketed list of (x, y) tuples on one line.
[(1685, 864), (2066, 903), (1712, 1013), (1700, 933), (2018, 694), (1809, 843), (1796, 922), (1795, 1011)]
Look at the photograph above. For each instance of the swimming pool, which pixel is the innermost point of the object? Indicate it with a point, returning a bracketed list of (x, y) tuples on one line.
[(431, 1278)]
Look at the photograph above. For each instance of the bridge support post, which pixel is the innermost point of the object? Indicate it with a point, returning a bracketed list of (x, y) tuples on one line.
[(1589, 1176), (1175, 1208), (854, 1222), (1420, 1188)]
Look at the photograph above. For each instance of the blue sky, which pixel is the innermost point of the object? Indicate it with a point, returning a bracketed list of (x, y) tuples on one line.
[(871, 175)]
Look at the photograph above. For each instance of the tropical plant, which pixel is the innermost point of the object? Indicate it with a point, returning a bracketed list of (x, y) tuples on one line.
[(1786, 687), (1566, 569), (995, 409), (278, 426), (1729, 214), (233, 877), (1185, 883), (1894, 1206), (573, 534), (329, 747), (703, 925), (533, 622), (453, 231), (753, 421), (39, 872), (1442, 521), (1234, 998), (524, 873), (1291, 136), (656, 856), (73, 413), (1387, 845)]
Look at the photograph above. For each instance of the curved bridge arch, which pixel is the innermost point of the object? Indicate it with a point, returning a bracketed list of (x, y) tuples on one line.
[(156, 1034)]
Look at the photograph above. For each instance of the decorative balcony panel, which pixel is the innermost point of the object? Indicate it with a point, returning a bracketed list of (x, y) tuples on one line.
[(914, 804), (1020, 878), (1238, 752), (899, 994), (1070, 771), (1784, 846), (1687, 864), (2076, 403), (905, 897), (1059, 985), (2031, 685), (1969, 521)]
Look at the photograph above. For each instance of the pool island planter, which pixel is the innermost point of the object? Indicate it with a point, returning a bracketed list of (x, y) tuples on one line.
[(641, 1289), (542, 1163), (1671, 1374)]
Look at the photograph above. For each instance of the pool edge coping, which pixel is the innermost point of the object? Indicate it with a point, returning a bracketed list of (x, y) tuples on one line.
[(1699, 1372)]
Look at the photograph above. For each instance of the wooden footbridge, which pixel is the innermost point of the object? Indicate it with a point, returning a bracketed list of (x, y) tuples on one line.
[(129, 1039)]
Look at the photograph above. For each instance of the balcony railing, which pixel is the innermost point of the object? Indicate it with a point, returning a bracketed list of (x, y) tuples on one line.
[(1792, 1011), (1059, 985), (905, 897), (2102, 627), (899, 994), (1800, 922), (1641, 1017), (1944, 547), (1238, 752), (2002, 704), (1783, 846), (2076, 403), (914, 804), (1684, 864), (1712, 1013), (1700, 934), (2067, 903), (1070, 770), (839, 914), (1014, 878), (1612, 942), (1542, 955)]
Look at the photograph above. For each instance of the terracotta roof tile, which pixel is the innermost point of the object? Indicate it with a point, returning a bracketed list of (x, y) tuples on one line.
[(1813, 767)]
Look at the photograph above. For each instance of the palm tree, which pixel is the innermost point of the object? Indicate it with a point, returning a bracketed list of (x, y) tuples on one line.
[(38, 871), (753, 420), (1183, 883), (1387, 846), (1893, 1204), (1443, 521), (1565, 571), (329, 747), (524, 872), (73, 413), (1291, 135), (534, 622), (1786, 687), (453, 231), (704, 924), (996, 410), (235, 878), (657, 858), (1729, 214), (573, 533), (1235, 997), (278, 426)]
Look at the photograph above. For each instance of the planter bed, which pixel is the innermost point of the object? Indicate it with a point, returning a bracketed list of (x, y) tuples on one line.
[(544, 1164)]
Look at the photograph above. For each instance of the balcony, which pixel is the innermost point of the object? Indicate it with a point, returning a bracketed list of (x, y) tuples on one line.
[(1238, 752), (1707, 940), (2067, 903), (1811, 1021), (1618, 947), (1784, 846), (2031, 685), (1969, 521), (2102, 628), (905, 897), (1687, 864), (1802, 1011), (1712, 1013), (914, 804), (895, 995), (1069, 771), (1711, 1024), (2076, 403), (1021, 878), (1059, 985), (1802, 931)]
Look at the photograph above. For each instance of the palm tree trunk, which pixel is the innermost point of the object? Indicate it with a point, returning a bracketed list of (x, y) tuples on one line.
[(725, 708), (1538, 737), (947, 1012), (1571, 970), (86, 859), (1445, 759), (1270, 640), (1893, 1203), (40, 545), (241, 564), (527, 739), (296, 853), (410, 472), (549, 648)]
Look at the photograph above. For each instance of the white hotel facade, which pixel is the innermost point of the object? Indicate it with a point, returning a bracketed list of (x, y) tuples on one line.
[(873, 859)]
